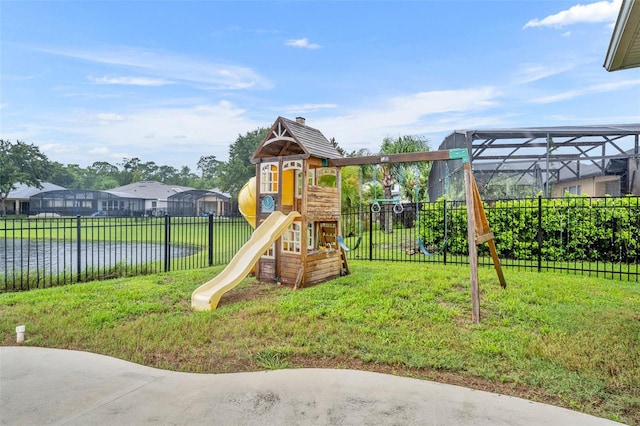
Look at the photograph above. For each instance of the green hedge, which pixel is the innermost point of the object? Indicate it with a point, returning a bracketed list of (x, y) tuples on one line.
[(573, 228)]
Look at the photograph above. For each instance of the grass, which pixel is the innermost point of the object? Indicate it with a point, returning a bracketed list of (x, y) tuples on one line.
[(567, 340)]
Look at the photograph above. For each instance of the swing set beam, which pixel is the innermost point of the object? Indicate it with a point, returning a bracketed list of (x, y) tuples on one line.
[(412, 157), (477, 225)]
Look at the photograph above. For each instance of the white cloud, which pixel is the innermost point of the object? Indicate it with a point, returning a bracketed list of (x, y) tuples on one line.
[(596, 88), (179, 134), (602, 11), (101, 150), (305, 108), (414, 114), (302, 43), (168, 135), (59, 149), (528, 73), (130, 81), (424, 103), (161, 66), (108, 117)]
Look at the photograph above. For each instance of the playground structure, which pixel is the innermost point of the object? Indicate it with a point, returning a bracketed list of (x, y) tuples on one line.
[(294, 204), (478, 231), (291, 182)]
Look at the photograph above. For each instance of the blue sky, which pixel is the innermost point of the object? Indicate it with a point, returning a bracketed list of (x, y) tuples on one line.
[(170, 81)]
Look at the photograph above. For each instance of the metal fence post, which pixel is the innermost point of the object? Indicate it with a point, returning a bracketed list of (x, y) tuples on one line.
[(78, 248), (210, 239), (539, 233), (445, 243), (167, 243), (370, 234)]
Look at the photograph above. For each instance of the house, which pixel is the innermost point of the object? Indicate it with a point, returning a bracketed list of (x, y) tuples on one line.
[(201, 202), (145, 198), (85, 202), (18, 200), (155, 195), (619, 176)]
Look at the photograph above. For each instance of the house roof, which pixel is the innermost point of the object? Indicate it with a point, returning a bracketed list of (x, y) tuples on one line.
[(23, 192), (624, 47), (149, 190), (294, 138), (198, 193)]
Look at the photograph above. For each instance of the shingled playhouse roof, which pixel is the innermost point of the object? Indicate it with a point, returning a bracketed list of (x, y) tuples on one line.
[(294, 138)]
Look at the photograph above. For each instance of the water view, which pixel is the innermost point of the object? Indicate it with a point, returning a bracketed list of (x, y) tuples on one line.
[(54, 257)]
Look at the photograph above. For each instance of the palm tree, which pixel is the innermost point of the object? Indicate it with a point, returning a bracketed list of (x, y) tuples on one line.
[(400, 172)]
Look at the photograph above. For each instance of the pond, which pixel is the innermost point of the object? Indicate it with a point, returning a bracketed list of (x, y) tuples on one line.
[(54, 257)]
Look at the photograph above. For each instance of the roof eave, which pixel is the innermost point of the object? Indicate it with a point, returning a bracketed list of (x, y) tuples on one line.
[(625, 38)]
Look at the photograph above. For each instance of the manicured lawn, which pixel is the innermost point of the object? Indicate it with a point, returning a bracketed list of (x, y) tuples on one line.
[(563, 339)]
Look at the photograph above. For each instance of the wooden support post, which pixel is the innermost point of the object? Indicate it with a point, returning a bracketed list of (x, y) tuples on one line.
[(473, 249), (257, 268), (484, 233), (299, 278)]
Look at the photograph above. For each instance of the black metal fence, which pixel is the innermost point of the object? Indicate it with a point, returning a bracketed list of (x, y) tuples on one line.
[(582, 235), (46, 252), (592, 236)]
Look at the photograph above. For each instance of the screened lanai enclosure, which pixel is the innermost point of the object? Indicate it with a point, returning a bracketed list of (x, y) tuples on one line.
[(200, 202), (77, 202), (548, 161)]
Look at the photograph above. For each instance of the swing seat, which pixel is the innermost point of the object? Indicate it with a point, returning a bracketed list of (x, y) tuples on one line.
[(344, 246), (423, 249)]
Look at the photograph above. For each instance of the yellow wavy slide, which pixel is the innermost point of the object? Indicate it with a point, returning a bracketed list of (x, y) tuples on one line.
[(207, 296)]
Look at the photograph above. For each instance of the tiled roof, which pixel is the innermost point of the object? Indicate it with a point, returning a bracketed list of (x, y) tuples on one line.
[(292, 138), (311, 139)]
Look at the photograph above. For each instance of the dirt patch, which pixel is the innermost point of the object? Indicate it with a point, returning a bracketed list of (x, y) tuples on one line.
[(250, 290)]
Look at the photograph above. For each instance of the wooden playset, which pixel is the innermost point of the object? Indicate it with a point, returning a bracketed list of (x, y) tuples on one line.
[(294, 204), (292, 175)]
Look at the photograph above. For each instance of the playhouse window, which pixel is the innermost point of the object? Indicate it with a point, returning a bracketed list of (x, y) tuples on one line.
[(298, 183), (310, 236), (269, 178), (293, 164), (327, 177), (269, 253), (291, 238)]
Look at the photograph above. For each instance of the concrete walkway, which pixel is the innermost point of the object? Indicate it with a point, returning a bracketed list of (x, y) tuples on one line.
[(50, 386)]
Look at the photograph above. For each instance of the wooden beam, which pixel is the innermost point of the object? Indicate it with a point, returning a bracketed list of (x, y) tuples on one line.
[(285, 147), (484, 238), (473, 249), (270, 159), (411, 157)]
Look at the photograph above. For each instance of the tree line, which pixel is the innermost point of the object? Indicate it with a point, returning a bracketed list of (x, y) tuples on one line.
[(23, 163)]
